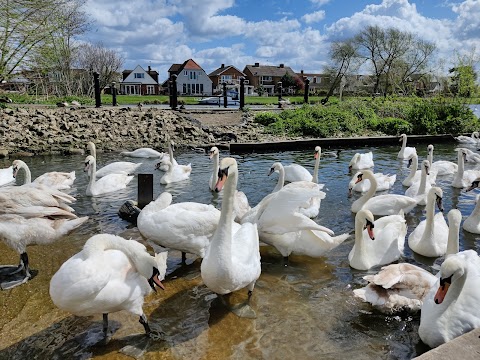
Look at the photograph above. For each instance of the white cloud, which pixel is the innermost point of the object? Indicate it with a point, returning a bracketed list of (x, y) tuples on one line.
[(314, 17), (319, 2)]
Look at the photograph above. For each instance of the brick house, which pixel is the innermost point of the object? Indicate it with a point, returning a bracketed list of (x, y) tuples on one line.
[(266, 77), (140, 82), (231, 76)]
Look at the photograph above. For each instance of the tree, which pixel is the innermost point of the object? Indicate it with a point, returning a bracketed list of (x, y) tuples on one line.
[(25, 25), (97, 58), (463, 75), (342, 55)]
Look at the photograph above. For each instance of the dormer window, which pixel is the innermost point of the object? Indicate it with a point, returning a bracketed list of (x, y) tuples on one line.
[(139, 75)]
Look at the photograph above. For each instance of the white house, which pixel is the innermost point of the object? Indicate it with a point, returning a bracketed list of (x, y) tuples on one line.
[(191, 79), (140, 82)]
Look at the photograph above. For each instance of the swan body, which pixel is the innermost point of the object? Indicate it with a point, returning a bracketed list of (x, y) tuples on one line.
[(388, 204), (295, 172), (110, 274), (117, 167), (107, 184), (463, 178), (404, 286), (405, 151), (384, 182), (53, 179), (472, 222), (361, 161), (382, 242), (312, 208), (175, 173), (414, 174), (142, 153), (6, 176), (450, 309), (430, 237), (232, 261), (186, 226), (419, 190), (471, 156), (442, 167), (16, 232), (469, 140)]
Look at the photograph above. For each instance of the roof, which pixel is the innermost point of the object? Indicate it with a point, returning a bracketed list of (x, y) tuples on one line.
[(268, 70), (222, 69), (189, 64)]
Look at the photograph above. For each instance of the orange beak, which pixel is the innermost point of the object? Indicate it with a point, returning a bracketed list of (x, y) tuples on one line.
[(220, 183), (441, 293)]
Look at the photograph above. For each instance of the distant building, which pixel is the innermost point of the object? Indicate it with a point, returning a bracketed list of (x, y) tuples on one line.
[(191, 79), (231, 76), (266, 77), (140, 82)]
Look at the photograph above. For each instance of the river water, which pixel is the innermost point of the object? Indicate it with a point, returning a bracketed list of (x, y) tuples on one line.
[(305, 310)]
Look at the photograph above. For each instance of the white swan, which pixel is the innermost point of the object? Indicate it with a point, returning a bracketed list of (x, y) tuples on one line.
[(215, 155), (142, 153), (295, 172), (387, 204), (384, 182), (405, 151), (312, 207), (29, 201), (117, 167), (442, 167), (404, 286), (470, 140), (19, 232), (430, 237), (419, 190), (110, 274), (187, 226), (471, 156), (450, 309), (6, 176), (414, 174), (232, 260), (175, 173), (463, 178), (161, 165), (381, 242), (52, 179), (361, 161), (107, 184), (472, 222)]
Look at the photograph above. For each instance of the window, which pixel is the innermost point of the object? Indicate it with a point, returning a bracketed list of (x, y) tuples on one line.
[(266, 79), (185, 73), (226, 78), (150, 90), (139, 75), (193, 75)]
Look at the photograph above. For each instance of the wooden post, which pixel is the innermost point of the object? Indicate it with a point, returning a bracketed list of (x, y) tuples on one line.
[(306, 91), (96, 85), (242, 92), (145, 189)]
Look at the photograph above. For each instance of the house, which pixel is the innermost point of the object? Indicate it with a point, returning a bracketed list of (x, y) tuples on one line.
[(231, 76), (191, 79), (266, 77), (139, 82), (319, 83)]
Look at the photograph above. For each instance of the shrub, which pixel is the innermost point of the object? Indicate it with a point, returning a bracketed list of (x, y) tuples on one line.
[(393, 126), (266, 118)]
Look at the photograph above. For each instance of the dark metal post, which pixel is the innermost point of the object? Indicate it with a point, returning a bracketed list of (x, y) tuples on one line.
[(242, 92), (306, 91), (113, 90), (279, 94), (174, 102), (225, 102), (145, 189), (96, 83)]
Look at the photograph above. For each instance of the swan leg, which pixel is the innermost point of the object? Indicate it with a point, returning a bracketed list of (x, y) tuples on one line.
[(105, 325), (144, 322), (285, 261), (22, 267), (184, 258)]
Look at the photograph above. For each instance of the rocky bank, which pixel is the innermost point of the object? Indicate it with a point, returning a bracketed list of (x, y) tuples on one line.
[(40, 130)]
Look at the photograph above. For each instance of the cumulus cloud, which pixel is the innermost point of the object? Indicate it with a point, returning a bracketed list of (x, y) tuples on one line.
[(314, 17), (319, 2)]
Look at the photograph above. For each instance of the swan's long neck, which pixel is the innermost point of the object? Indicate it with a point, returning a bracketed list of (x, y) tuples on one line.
[(423, 181), (216, 159), (281, 179), (93, 150), (413, 168), (452, 244), (429, 218), (93, 175), (404, 143), (373, 187), (359, 251), (170, 152), (461, 167), (28, 174), (315, 169), (430, 157), (221, 244)]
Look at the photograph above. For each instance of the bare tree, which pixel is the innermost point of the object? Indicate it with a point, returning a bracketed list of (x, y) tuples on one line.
[(342, 55), (97, 58)]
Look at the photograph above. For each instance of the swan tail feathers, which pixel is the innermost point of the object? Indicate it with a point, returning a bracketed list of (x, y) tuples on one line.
[(69, 225)]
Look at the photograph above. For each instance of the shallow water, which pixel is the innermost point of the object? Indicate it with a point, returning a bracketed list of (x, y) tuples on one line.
[(305, 310)]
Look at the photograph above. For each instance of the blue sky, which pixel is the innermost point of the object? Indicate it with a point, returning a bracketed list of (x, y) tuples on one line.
[(297, 33)]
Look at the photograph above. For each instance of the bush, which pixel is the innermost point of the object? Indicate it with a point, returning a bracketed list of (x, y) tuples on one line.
[(393, 126), (266, 118)]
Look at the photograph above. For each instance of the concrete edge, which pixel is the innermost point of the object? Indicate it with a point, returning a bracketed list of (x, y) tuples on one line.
[(464, 347), (336, 142)]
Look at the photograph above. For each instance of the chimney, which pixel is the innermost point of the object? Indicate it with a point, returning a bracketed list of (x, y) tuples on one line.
[(149, 68), (301, 72), (281, 66), (223, 65), (257, 64)]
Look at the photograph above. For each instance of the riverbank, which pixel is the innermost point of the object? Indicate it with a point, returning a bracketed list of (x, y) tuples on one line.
[(40, 130)]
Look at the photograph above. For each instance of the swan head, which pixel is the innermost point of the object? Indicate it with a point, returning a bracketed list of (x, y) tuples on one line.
[(153, 268), (429, 148), (367, 220), (411, 158), (476, 135), (89, 162), (354, 160), (454, 218), (426, 166), (92, 149), (475, 184), (402, 136), (227, 167), (276, 167), (318, 151), (436, 194), (213, 151), (364, 174), (16, 166)]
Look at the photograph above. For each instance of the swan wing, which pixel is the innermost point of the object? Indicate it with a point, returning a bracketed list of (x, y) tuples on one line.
[(295, 172), (118, 167)]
